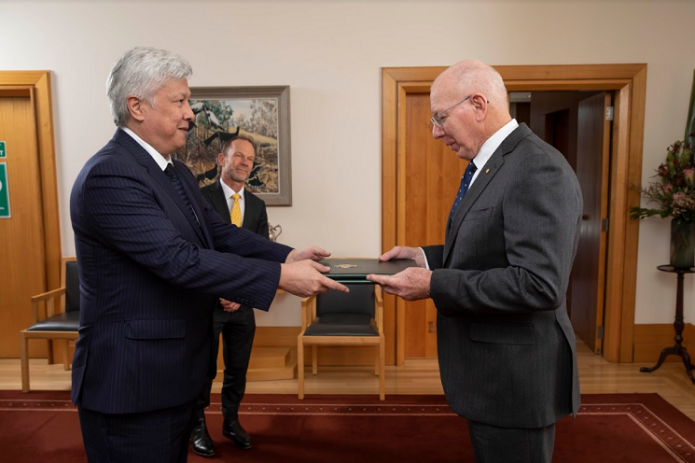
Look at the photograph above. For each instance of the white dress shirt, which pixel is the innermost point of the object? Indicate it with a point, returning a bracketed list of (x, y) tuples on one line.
[(491, 145), (161, 160), (485, 153)]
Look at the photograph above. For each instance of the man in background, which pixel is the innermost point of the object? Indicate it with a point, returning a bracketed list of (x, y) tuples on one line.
[(153, 259), (236, 322), (505, 342)]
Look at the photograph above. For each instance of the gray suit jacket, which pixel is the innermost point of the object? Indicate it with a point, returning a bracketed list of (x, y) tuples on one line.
[(506, 345)]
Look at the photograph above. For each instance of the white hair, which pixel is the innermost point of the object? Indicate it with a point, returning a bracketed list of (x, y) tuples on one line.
[(142, 72)]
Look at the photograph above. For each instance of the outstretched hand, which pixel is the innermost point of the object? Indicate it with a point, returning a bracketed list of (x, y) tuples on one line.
[(405, 252), (310, 253), (305, 278), (412, 284)]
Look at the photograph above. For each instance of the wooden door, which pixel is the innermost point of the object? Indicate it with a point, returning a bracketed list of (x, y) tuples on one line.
[(433, 174), (589, 271), (22, 249), (628, 84), (574, 123)]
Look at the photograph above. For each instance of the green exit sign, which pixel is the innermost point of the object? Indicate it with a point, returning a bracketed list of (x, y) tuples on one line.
[(4, 192), (3, 151)]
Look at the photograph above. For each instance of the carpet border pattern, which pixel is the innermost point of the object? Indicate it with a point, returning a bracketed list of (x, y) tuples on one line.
[(664, 435)]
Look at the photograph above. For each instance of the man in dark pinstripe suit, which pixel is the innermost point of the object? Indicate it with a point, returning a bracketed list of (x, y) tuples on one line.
[(154, 258), (506, 346)]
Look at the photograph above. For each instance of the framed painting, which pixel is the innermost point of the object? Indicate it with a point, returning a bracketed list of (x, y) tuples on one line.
[(261, 113)]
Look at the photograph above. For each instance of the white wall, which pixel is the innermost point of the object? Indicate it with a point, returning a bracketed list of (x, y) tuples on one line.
[(330, 53)]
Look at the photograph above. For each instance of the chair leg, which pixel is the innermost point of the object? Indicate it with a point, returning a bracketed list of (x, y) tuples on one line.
[(300, 368), (66, 359), (382, 371), (50, 352), (24, 353), (376, 360), (315, 360)]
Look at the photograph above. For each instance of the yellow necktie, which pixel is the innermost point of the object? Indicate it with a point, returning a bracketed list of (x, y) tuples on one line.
[(236, 210)]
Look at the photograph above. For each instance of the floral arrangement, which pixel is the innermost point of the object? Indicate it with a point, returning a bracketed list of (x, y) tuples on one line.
[(673, 191)]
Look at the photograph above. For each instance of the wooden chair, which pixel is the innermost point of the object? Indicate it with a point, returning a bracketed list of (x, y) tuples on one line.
[(341, 319), (54, 325)]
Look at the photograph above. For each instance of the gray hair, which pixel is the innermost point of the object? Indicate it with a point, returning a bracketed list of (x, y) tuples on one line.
[(142, 72)]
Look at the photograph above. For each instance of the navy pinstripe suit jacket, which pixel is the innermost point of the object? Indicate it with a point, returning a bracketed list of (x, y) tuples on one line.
[(149, 279)]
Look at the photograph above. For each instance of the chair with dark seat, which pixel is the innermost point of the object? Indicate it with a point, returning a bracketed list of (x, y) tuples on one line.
[(54, 325), (342, 319)]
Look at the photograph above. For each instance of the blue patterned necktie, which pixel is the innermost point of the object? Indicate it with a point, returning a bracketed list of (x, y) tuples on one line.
[(465, 183), (174, 178)]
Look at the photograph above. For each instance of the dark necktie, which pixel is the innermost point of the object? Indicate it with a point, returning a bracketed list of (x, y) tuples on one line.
[(174, 178), (465, 183)]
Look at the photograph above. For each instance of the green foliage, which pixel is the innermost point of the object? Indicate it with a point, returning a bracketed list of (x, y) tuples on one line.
[(690, 122), (673, 191)]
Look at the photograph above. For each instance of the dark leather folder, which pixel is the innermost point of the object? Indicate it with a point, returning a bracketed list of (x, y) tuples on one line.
[(355, 271)]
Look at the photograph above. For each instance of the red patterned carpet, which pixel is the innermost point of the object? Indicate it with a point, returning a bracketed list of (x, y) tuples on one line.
[(44, 427)]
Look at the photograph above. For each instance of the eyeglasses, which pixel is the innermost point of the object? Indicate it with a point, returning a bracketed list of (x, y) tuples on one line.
[(437, 118)]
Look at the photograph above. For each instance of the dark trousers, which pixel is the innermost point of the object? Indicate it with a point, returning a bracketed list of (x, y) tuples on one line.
[(237, 329), (510, 445), (159, 436)]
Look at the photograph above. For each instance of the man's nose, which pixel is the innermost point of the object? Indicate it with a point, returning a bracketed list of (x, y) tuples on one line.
[(188, 114), (437, 132)]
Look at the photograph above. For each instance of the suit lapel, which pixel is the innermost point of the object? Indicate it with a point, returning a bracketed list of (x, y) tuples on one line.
[(250, 213), (146, 161), (200, 228), (219, 203), (484, 178)]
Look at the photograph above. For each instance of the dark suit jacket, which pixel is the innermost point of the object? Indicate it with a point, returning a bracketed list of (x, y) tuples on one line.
[(255, 215), (506, 345), (149, 279)]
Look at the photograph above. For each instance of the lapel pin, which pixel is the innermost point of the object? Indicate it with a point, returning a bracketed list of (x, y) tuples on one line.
[(487, 171)]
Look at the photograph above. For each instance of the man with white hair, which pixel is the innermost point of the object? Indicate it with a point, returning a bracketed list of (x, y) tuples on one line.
[(505, 342), (154, 258)]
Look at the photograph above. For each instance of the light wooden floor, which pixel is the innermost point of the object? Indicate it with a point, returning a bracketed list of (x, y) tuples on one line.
[(417, 377)]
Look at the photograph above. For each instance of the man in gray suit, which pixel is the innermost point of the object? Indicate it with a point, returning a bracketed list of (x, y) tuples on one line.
[(506, 346)]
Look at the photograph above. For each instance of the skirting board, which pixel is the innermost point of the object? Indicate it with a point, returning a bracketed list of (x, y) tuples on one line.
[(651, 339), (286, 336)]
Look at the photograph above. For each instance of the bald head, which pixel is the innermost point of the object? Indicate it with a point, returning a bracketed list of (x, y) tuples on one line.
[(471, 103), (475, 76)]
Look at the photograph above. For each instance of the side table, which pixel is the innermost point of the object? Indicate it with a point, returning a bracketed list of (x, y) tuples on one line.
[(678, 325)]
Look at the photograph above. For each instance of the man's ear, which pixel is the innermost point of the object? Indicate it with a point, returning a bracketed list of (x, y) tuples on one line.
[(480, 103), (135, 108), (221, 159)]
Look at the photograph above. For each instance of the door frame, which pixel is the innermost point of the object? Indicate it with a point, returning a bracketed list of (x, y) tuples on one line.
[(37, 85), (628, 81)]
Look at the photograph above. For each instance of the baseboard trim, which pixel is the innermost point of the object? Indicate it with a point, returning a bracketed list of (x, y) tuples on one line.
[(651, 339), (286, 336)]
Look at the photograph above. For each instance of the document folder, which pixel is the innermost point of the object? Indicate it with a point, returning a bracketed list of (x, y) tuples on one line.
[(355, 271)]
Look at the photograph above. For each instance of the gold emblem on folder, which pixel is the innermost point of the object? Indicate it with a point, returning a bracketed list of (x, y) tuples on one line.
[(345, 266)]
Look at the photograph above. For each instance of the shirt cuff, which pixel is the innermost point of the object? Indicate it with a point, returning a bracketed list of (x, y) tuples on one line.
[(427, 264)]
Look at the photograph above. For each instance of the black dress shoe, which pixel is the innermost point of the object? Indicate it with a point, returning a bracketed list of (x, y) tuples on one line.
[(200, 438), (235, 431)]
